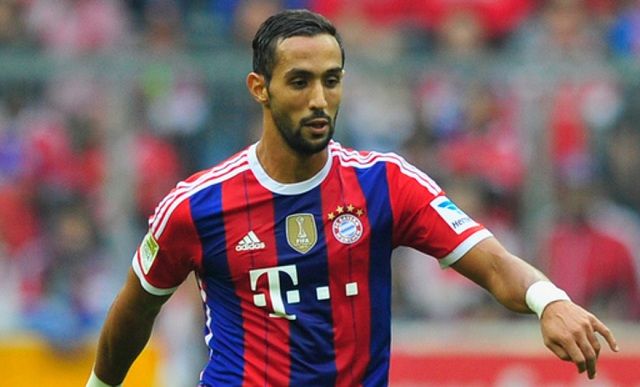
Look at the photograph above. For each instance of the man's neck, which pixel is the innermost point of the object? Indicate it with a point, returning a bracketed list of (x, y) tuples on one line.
[(283, 164)]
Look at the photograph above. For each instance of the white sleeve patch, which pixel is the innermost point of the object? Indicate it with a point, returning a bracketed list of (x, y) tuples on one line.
[(148, 252), (455, 217)]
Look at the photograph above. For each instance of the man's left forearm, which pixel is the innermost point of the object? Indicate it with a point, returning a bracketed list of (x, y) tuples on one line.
[(504, 275)]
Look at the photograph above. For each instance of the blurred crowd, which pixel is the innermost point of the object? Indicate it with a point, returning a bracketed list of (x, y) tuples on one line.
[(526, 112)]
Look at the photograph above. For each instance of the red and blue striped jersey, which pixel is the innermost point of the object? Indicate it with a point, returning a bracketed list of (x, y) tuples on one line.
[(296, 278)]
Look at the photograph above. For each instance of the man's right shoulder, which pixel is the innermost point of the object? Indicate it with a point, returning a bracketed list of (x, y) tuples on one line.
[(199, 181), (225, 169)]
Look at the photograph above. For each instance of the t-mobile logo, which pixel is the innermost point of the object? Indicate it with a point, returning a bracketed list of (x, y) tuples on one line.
[(273, 278), (292, 296)]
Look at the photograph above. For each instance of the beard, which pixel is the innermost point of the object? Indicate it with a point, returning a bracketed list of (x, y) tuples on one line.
[(293, 134)]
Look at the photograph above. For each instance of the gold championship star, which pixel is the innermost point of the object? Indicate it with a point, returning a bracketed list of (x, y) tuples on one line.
[(350, 208), (340, 209)]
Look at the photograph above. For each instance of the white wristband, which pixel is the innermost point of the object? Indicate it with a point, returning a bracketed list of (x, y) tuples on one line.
[(542, 293), (95, 382)]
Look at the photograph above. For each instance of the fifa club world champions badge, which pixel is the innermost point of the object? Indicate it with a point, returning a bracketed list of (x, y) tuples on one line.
[(347, 227)]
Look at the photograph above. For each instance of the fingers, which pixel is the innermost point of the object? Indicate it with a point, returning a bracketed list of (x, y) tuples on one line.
[(576, 356), (602, 329), (572, 334), (570, 351), (580, 347), (590, 357), (559, 351), (582, 355), (595, 343)]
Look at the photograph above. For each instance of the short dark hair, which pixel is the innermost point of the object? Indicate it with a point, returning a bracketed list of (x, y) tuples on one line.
[(283, 25)]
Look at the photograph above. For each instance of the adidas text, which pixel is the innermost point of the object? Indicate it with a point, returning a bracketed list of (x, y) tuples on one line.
[(250, 242)]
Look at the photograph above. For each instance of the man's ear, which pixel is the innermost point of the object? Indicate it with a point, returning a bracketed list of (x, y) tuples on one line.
[(257, 86)]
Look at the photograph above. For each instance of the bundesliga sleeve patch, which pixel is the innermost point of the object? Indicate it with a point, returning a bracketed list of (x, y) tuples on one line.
[(455, 217), (148, 251)]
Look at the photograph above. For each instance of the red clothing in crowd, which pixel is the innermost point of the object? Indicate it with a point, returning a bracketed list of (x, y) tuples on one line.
[(497, 16), (595, 264)]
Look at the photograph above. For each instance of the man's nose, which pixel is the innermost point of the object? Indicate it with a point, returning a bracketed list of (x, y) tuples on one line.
[(318, 99)]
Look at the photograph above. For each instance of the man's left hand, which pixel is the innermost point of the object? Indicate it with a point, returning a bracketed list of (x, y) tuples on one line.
[(569, 331)]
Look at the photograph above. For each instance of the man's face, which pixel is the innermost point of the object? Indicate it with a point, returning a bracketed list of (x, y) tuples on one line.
[(305, 91)]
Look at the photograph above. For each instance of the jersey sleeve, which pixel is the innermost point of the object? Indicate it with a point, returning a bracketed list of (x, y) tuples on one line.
[(426, 219), (170, 249)]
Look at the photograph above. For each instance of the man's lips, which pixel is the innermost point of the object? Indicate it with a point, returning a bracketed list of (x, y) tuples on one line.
[(319, 125), (318, 122)]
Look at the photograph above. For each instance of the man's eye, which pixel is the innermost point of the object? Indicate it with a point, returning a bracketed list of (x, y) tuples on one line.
[(332, 81), (299, 83)]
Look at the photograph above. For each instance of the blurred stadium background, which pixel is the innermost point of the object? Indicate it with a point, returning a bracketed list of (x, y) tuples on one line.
[(527, 112)]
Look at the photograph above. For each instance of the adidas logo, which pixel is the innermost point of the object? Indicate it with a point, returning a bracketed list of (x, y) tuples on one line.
[(250, 242)]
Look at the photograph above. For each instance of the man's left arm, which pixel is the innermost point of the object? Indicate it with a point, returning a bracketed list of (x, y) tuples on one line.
[(568, 330)]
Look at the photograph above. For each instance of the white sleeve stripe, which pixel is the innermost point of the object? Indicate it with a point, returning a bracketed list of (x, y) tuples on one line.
[(405, 167), (411, 167), (354, 159), (419, 178), (184, 186), (405, 172), (145, 284), (158, 228), (464, 247)]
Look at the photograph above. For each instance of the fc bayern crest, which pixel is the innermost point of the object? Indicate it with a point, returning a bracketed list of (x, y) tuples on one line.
[(347, 228)]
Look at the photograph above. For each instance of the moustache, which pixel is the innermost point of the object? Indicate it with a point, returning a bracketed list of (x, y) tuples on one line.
[(315, 116)]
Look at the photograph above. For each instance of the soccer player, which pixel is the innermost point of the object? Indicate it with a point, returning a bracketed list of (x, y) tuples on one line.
[(291, 240)]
